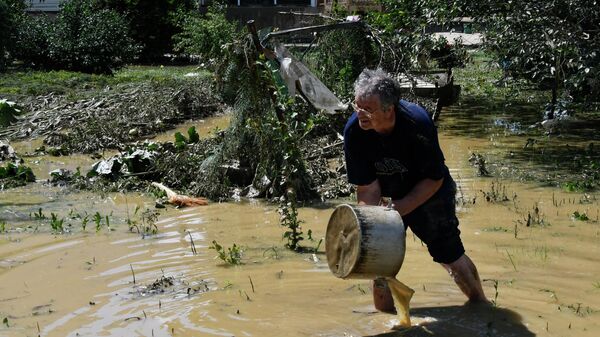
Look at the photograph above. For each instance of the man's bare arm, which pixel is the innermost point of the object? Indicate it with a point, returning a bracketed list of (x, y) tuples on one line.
[(369, 194), (422, 191)]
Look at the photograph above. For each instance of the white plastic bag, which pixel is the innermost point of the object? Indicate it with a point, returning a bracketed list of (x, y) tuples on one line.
[(293, 71)]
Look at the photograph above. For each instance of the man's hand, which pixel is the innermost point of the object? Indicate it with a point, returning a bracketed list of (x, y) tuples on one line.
[(422, 191), (369, 194)]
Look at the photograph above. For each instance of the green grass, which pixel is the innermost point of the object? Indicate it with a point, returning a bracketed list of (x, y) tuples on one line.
[(34, 83), (480, 78)]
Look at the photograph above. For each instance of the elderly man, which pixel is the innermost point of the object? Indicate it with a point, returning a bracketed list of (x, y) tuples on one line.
[(391, 149)]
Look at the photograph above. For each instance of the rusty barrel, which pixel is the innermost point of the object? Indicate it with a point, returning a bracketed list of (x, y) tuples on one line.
[(365, 242)]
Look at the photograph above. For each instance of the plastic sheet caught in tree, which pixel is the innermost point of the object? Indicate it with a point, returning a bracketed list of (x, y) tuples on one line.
[(297, 76)]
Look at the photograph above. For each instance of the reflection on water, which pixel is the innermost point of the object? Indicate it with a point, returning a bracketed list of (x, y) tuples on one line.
[(518, 146), (543, 277)]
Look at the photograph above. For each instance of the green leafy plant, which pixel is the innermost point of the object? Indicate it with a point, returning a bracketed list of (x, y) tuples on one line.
[(289, 219), (577, 186), (232, 255), (149, 218), (130, 222), (8, 112), (17, 174), (193, 136), (84, 221), (205, 35), (580, 310), (181, 141), (39, 215), (580, 216), (56, 224), (98, 221)]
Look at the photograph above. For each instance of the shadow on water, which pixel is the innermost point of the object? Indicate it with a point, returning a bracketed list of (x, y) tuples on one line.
[(468, 320)]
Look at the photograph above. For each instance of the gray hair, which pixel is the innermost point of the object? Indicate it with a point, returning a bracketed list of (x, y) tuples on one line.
[(380, 83)]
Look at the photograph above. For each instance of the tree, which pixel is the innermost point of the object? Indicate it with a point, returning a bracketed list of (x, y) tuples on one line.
[(90, 40), (11, 12), (554, 44), (152, 22), (206, 35)]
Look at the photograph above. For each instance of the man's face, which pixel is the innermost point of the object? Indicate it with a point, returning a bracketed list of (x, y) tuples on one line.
[(372, 116)]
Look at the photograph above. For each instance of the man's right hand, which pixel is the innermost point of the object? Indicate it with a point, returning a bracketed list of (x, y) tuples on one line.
[(369, 194)]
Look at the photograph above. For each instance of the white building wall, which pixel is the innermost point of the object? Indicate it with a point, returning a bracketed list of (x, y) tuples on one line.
[(43, 5)]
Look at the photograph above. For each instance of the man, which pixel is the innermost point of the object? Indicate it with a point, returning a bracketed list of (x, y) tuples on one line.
[(392, 150)]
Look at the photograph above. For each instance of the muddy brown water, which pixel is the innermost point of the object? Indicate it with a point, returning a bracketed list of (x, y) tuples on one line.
[(544, 279)]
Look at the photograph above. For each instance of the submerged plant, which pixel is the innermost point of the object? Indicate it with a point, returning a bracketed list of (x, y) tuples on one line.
[(580, 216), (497, 193), (16, 175), (98, 221), (56, 224), (534, 218), (232, 255), (39, 215), (84, 221), (148, 225)]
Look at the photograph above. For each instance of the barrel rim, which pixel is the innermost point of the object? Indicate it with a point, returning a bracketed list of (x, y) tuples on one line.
[(340, 208)]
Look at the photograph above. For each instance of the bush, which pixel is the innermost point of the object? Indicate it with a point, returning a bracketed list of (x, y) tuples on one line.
[(205, 35), (90, 40)]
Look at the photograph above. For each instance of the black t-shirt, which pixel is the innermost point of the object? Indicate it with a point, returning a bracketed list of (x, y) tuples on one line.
[(399, 160)]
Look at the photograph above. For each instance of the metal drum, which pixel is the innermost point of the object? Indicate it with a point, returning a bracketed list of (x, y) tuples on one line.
[(365, 242)]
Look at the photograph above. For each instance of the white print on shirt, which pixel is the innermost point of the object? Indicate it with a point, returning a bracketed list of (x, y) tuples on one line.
[(390, 166)]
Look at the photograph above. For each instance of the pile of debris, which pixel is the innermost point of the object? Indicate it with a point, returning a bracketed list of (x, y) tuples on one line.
[(115, 117)]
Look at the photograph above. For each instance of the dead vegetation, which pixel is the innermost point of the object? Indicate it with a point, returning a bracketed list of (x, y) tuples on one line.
[(115, 116)]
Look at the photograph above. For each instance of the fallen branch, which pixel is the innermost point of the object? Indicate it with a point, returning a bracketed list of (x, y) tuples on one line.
[(179, 199)]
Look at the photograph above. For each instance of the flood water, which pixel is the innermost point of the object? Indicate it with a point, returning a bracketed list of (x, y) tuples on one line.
[(544, 278)]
